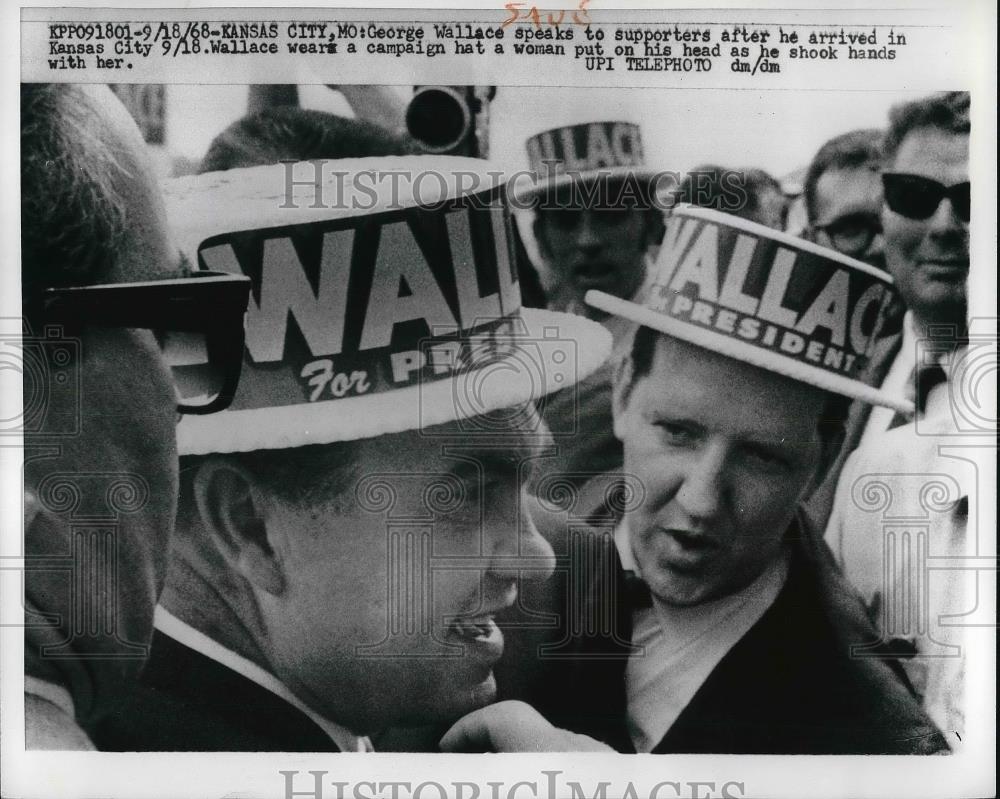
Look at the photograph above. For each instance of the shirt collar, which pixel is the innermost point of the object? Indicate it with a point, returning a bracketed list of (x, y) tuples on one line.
[(184, 633), (912, 342), (51, 692), (623, 543)]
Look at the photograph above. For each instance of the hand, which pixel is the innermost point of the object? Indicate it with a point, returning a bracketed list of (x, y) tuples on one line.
[(382, 105), (513, 727)]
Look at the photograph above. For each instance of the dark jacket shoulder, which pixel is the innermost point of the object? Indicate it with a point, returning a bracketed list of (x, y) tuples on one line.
[(794, 684), (186, 701)]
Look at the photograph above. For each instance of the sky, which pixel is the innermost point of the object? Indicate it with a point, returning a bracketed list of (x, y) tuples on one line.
[(778, 131)]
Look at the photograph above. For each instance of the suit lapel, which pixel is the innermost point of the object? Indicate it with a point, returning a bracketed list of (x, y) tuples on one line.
[(818, 507)]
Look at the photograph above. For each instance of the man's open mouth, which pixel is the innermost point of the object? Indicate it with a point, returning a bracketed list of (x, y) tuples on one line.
[(687, 551), (479, 634), (594, 272)]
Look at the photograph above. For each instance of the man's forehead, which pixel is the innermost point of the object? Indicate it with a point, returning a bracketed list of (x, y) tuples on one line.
[(715, 386), (924, 149), (856, 186)]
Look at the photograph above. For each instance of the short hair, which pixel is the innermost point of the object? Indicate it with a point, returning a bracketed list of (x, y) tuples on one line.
[(703, 187), (73, 218), (287, 132), (947, 111), (833, 417), (856, 148), (732, 191), (314, 474)]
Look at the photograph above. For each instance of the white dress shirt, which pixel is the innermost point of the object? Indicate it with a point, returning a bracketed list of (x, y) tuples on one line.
[(183, 633), (682, 645), (895, 382), (907, 551)]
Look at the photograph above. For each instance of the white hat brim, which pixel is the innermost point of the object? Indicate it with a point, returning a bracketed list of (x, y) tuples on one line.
[(742, 351), (415, 407)]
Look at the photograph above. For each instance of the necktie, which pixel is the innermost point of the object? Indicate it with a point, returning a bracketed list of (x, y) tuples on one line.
[(636, 591), (923, 380)]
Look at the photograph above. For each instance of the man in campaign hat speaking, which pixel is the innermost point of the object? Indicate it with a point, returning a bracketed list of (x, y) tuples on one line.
[(349, 528), (699, 617)]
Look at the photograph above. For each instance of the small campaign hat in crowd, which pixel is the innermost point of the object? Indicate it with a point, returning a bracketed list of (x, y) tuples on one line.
[(766, 298), (583, 153), (384, 298)]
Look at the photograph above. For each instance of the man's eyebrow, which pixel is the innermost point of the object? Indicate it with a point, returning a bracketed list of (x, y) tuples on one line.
[(665, 417)]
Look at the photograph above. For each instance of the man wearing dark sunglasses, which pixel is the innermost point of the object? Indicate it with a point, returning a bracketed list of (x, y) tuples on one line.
[(926, 213), (926, 220), (115, 343), (925, 217)]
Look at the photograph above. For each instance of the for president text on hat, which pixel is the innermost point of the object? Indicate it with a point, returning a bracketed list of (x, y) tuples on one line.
[(766, 298), (383, 299)]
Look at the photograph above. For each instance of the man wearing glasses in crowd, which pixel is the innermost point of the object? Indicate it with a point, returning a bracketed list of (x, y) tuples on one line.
[(926, 221), (925, 247), (843, 196), (107, 317)]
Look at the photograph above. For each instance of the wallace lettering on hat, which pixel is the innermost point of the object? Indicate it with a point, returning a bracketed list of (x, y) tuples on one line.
[(373, 312), (766, 298), (583, 153)]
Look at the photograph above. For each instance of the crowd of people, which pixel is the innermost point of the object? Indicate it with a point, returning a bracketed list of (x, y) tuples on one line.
[(387, 535)]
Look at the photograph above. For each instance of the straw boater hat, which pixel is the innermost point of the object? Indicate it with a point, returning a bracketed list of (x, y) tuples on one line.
[(384, 299), (582, 153), (767, 298)]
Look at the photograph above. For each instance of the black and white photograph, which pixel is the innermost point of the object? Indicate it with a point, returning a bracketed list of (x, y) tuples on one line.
[(509, 401)]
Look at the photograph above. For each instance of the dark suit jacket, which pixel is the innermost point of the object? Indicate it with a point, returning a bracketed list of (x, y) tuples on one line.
[(790, 686), (816, 509), (186, 702)]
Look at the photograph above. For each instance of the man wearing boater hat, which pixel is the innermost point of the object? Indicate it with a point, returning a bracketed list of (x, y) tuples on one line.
[(349, 528), (697, 616), (594, 223)]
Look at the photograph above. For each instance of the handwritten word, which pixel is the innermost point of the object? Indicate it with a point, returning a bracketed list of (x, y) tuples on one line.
[(517, 11)]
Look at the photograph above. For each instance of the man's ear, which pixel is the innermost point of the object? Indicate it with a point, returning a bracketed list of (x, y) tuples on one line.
[(621, 390), (232, 513)]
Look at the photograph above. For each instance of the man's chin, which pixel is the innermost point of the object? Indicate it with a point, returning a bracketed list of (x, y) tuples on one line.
[(448, 708), (483, 694)]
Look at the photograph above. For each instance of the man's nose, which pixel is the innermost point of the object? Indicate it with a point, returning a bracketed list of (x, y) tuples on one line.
[(587, 235), (701, 494), (519, 549), (944, 219)]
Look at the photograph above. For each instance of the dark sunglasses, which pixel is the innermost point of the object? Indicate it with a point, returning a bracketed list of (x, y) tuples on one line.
[(853, 233), (197, 320), (917, 197)]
